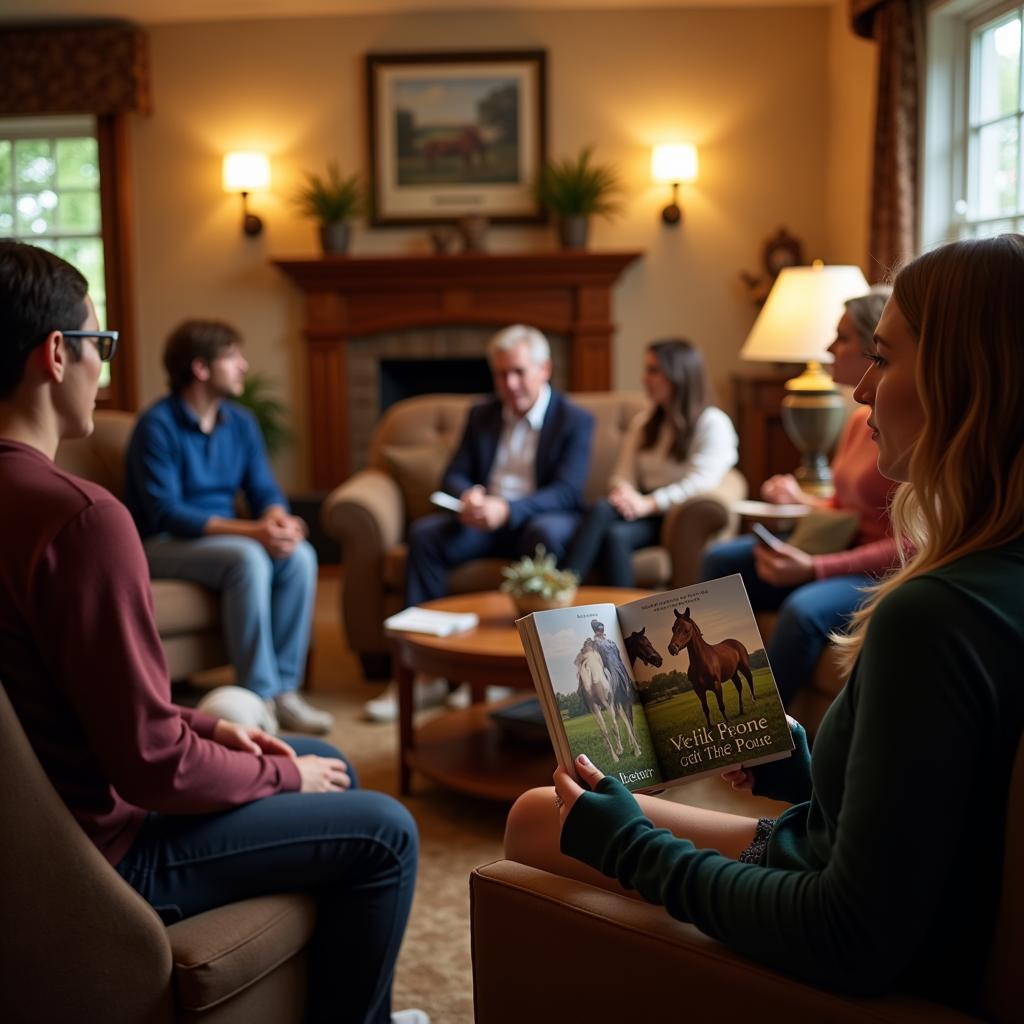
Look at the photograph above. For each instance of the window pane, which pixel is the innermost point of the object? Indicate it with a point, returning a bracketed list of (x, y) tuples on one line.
[(997, 163), (80, 213), (33, 218), (77, 163), (6, 215), (998, 70), (5, 165), (85, 254), (34, 167)]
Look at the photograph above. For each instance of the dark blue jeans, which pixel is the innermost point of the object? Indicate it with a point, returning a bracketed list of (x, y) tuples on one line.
[(607, 540), (807, 614), (354, 851), (438, 543)]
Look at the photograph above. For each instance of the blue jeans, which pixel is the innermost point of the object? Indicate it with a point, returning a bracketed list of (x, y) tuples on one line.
[(607, 538), (266, 603), (355, 852), (807, 614), (438, 543)]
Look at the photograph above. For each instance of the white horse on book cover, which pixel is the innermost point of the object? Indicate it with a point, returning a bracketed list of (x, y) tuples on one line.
[(600, 695)]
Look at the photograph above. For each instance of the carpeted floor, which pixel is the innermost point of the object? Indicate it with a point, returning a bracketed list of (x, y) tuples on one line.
[(457, 832)]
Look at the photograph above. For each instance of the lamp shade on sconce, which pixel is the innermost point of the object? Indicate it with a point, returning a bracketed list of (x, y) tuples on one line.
[(246, 172), (798, 321), (674, 163)]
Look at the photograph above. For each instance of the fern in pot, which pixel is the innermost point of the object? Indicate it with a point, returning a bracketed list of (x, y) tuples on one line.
[(574, 190), (332, 200), (535, 583)]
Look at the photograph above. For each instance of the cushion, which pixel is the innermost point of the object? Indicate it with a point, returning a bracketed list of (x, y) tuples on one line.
[(824, 530), (418, 469), (183, 607), (224, 951)]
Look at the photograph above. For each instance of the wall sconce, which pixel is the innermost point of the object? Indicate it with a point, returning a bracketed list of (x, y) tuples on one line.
[(674, 164), (245, 173)]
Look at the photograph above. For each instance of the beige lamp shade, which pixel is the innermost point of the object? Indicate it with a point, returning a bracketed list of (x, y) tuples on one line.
[(674, 162), (798, 321)]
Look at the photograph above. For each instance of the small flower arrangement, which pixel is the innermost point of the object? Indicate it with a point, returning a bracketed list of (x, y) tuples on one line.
[(535, 582)]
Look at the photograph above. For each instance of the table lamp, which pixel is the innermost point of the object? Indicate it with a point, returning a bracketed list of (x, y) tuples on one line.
[(796, 325)]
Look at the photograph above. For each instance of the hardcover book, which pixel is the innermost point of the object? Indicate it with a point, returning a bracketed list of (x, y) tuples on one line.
[(665, 689)]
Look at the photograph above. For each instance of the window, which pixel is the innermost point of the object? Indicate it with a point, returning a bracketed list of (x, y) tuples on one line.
[(974, 115), (50, 195)]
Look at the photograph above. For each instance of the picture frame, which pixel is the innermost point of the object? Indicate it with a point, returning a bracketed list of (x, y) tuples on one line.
[(454, 135)]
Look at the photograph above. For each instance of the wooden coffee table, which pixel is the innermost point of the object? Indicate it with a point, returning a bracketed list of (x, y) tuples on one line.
[(464, 750)]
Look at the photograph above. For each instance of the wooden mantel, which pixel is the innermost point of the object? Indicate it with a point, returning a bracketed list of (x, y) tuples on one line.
[(566, 293)]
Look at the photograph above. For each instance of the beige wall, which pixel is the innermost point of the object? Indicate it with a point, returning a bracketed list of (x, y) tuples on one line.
[(759, 91)]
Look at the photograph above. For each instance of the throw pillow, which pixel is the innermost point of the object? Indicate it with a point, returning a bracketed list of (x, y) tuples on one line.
[(825, 530), (418, 469)]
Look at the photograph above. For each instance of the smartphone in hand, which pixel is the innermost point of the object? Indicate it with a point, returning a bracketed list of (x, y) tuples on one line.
[(765, 536)]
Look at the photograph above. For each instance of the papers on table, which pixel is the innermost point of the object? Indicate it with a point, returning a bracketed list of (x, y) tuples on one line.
[(766, 510), (425, 620)]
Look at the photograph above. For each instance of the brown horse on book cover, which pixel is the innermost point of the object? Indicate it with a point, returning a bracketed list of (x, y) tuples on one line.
[(711, 664), (600, 695)]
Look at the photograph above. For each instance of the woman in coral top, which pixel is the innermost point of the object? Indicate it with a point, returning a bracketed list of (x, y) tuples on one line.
[(816, 594)]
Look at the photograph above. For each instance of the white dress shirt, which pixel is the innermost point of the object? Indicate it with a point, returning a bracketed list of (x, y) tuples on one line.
[(514, 473)]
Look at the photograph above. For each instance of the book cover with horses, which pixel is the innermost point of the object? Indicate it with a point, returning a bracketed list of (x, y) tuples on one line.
[(665, 689)]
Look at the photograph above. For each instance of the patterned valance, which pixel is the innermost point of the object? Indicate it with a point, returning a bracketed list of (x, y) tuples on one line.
[(74, 70)]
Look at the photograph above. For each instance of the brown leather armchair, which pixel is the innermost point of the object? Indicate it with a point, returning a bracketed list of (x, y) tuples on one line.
[(77, 943), (187, 615), (549, 948), (370, 513)]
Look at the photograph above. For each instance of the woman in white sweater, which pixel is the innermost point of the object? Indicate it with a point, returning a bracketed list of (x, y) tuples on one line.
[(680, 447)]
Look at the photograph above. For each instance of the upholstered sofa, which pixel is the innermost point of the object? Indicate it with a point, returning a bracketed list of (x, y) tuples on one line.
[(595, 955), (370, 513), (187, 615)]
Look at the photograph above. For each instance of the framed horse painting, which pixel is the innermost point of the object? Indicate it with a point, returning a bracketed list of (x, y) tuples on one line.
[(456, 135)]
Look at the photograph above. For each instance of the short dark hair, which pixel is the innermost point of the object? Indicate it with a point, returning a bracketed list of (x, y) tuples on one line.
[(195, 339), (39, 293)]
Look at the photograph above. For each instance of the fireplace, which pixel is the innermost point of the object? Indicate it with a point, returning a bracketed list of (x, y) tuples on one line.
[(406, 378), (353, 303)]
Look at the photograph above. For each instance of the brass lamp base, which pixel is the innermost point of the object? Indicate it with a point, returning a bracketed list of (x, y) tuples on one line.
[(813, 412)]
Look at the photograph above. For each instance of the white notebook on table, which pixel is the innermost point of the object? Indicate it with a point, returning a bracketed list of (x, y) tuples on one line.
[(426, 620)]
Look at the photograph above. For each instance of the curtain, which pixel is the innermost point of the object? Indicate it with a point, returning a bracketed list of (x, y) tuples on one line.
[(82, 70), (897, 27)]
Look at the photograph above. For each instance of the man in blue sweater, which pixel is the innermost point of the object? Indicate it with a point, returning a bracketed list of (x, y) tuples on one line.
[(190, 455)]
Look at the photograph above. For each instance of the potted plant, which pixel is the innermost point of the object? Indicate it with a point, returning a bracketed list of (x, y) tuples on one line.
[(535, 583), (573, 190), (333, 200), (258, 397)]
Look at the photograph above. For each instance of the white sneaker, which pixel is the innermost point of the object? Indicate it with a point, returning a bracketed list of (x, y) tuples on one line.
[(410, 1017), (295, 715), (427, 693), (461, 697)]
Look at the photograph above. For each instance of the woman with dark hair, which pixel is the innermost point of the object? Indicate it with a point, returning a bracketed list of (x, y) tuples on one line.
[(816, 594), (883, 875), (680, 447)]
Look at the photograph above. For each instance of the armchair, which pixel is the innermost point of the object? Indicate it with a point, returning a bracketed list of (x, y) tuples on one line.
[(370, 513), (530, 924), (79, 944)]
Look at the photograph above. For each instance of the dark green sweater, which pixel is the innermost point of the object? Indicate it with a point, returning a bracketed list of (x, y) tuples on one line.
[(886, 877)]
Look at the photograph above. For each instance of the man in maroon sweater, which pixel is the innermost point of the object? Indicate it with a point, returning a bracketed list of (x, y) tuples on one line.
[(82, 663)]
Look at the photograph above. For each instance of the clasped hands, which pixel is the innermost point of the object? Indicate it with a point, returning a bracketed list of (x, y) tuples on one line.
[(279, 532), (483, 511), (630, 503), (319, 774)]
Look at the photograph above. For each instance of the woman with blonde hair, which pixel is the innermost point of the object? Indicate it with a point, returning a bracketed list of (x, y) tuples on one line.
[(884, 874)]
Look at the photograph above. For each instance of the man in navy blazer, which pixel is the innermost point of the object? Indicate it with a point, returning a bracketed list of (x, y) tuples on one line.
[(519, 470)]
